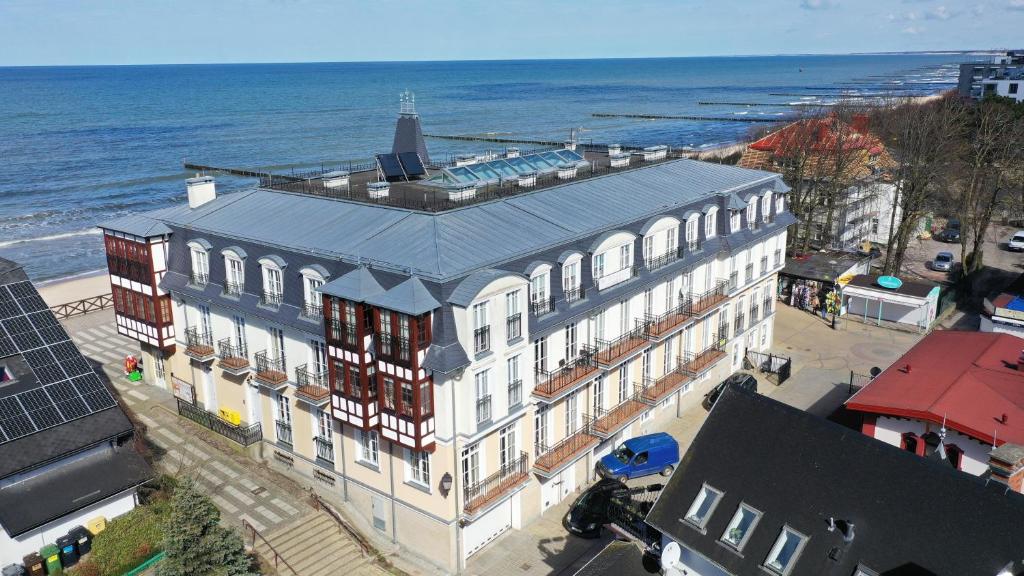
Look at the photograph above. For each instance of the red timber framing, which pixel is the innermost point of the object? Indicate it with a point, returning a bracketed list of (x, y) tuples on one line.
[(142, 310), (405, 390), (348, 330)]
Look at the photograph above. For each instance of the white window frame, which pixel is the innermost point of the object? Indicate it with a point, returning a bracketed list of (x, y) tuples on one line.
[(649, 247), (751, 214), (470, 464), (777, 548), (369, 448), (508, 446), (417, 467), (780, 204), (273, 278), (706, 491), (671, 240), (711, 223), (540, 285), (625, 256), (599, 265), (734, 524), (692, 231), (481, 314), (324, 426), (766, 206), (234, 269), (311, 282), (571, 274), (734, 221), (512, 374), (200, 260)]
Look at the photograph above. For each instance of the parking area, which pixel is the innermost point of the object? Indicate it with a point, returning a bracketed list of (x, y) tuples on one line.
[(922, 251)]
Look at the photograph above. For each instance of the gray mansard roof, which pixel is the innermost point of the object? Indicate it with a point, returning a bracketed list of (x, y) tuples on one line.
[(448, 245), (357, 286)]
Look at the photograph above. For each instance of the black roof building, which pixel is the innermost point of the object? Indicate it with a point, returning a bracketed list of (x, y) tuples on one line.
[(65, 444), (768, 489)]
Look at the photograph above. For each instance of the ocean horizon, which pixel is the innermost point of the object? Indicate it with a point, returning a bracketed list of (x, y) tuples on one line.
[(83, 144)]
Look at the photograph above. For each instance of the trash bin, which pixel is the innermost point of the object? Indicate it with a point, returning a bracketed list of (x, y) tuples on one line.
[(13, 570), (68, 554), (34, 564), (82, 538), (51, 556), (96, 525)]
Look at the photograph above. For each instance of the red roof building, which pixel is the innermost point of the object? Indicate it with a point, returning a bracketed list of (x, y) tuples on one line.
[(963, 389)]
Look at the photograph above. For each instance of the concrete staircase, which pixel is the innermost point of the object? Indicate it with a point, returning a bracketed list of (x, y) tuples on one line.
[(314, 546)]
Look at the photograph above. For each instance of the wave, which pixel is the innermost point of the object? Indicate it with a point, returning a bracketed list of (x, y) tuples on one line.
[(91, 232)]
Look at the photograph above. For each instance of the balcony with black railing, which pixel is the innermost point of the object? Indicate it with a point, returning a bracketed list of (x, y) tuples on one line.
[(482, 340), (284, 431), (668, 323), (234, 358), (270, 370), (655, 390), (694, 364), (324, 448), (233, 289), (609, 279), (343, 334), (693, 245), (611, 352), (575, 294), (655, 262), (313, 311), (394, 348), (553, 458), (312, 384), (542, 306), (555, 383), (607, 422), (514, 326), (271, 299), (199, 344), (704, 302), (199, 279), (476, 497)]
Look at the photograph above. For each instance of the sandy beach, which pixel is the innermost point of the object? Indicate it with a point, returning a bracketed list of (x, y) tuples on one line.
[(63, 290)]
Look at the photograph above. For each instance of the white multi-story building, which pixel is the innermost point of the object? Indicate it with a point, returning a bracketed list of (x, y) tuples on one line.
[(450, 354)]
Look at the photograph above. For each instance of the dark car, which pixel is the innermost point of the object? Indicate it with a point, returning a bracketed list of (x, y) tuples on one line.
[(950, 235), (590, 511), (741, 379)]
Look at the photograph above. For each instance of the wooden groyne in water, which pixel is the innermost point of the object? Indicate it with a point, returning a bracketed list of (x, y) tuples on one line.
[(688, 117), (494, 139)]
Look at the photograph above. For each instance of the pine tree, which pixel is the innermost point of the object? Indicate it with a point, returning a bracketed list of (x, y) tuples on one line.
[(194, 541)]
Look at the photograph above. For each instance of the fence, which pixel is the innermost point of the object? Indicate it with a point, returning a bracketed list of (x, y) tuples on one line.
[(778, 366), (84, 306), (857, 381), (245, 436)]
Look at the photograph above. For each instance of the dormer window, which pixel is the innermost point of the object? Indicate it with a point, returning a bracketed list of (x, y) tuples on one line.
[(312, 280), (540, 290), (711, 223), (273, 282), (234, 273), (200, 265), (703, 506), (766, 206), (571, 278), (751, 214), (780, 204), (692, 236), (734, 221), (784, 553)]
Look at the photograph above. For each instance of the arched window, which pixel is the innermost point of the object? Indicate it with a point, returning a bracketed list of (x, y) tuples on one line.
[(540, 288), (273, 280), (234, 270), (313, 277), (572, 277), (692, 233), (766, 206), (200, 255), (711, 223)]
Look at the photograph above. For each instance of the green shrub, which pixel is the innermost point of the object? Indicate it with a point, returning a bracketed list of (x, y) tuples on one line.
[(129, 540)]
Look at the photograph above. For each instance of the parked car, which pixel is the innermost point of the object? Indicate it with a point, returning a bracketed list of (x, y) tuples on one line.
[(943, 262), (949, 235), (1016, 243), (656, 453), (592, 509), (741, 379)]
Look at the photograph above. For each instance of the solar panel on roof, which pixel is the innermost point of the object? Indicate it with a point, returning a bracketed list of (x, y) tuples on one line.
[(7, 347), (9, 309), (411, 163), (40, 409), (390, 166), (22, 289), (34, 303), (53, 334), (27, 340), (42, 320)]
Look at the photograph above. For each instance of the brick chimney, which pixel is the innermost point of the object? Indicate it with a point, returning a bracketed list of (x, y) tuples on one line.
[(1006, 465)]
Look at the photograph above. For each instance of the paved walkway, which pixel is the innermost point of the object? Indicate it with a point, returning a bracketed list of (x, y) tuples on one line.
[(241, 489)]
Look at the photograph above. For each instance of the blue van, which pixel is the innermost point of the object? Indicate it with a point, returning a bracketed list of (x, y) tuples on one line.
[(641, 456)]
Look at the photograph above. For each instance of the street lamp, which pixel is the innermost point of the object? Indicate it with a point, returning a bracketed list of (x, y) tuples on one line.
[(446, 484)]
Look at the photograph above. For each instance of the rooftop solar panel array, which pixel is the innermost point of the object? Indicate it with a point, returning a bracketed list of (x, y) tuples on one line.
[(391, 167), (507, 168), (412, 164), (68, 388)]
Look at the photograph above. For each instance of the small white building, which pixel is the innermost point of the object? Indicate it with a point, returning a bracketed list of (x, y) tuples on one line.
[(909, 305)]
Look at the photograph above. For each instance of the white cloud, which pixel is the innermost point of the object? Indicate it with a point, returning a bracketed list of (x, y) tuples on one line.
[(1015, 5), (818, 4), (939, 13), (913, 30)]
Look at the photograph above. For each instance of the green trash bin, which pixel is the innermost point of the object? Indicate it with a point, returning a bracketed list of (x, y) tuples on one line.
[(51, 555)]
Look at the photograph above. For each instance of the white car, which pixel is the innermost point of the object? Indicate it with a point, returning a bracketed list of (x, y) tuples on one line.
[(1016, 243)]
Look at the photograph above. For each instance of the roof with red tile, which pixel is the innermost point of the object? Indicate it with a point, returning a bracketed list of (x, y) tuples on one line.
[(821, 135), (970, 380)]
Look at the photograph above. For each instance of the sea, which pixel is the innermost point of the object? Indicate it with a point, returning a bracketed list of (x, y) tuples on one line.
[(79, 145)]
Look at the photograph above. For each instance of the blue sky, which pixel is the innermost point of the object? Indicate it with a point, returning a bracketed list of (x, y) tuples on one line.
[(47, 32)]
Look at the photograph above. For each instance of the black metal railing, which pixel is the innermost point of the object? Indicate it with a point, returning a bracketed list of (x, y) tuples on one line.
[(198, 278), (284, 431), (194, 338), (229, 351), (704, 301), (550, 383), (482, 339), (574, 294), (657, 325), (233, 289), (609, 350), (313, 310), (551, 457), (265, 363), (693, 363), (693, 245), (342, 332), (394, 347), (479, 494), (244, 435), (514, 326), (722, 335), (542, 306), (271, 298), (483, 409), (663, 260), (306, 375), (324, 448)]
